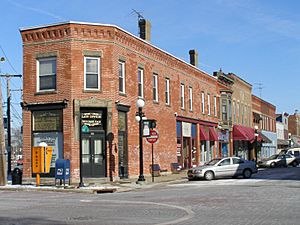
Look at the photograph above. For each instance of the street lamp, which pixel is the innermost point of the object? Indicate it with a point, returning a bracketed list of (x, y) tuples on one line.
[(140, 103), (290, 140), (256, 136)]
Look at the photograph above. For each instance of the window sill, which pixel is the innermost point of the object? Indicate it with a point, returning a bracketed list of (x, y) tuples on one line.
[(92, 91), (45, 92), (155, 102), (168, 105), (122, 94)]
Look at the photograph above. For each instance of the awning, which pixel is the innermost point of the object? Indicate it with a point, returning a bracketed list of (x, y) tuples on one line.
[(212, 134), (282, 142), (203, 135), (241, 133), (264, 138)]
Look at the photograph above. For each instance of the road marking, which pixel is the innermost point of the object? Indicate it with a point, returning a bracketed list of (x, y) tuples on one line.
[(190, 213)]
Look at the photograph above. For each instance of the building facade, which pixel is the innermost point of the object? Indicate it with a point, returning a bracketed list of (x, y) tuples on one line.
[(294, 129), (81, 84), (282, 126), (264, 117)]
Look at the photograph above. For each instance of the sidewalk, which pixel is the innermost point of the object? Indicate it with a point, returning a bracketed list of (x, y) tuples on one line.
[(122, 185)]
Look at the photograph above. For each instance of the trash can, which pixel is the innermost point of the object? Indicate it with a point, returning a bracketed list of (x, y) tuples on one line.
[(16, 177), (175, 168)]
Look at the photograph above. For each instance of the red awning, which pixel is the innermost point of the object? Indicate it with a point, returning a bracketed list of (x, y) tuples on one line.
[(212, 134), (241, 133), (203, 135)]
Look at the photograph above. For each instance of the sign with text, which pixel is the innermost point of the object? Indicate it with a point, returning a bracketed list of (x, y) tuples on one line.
[(41, 159), (153, 137)]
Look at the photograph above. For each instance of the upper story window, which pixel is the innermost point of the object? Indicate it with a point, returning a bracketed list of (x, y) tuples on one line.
[(202, 102), (182, 95), (155, 87), (46, 70), (208, 104), (224, 110), (191, 98), (91, 73), (167, 92), (215, 105), (140, 82), (122, 77)]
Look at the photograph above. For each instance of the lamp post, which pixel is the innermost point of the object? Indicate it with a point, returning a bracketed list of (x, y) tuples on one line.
[(290, 140), (139, 117), (256, 135)]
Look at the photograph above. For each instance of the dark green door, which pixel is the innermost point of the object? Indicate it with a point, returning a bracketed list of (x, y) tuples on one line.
[(93, 154)]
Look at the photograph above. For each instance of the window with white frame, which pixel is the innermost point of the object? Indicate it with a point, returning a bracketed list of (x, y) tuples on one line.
[(155, 87), (202, 102), (208, 104), (141, 82), (122, 77), (167, 91), (182, 95), (46, 71), (191, 98), (91, 73), (215, 105)]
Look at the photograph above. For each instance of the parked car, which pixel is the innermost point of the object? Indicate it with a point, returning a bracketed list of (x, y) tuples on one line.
[(292, 151), (278, 160), (225, 167)]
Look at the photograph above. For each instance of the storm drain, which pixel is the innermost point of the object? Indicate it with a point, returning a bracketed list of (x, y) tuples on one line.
[(104, 191)]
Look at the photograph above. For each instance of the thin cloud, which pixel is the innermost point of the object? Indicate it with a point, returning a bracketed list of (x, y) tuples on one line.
[(35, 10)]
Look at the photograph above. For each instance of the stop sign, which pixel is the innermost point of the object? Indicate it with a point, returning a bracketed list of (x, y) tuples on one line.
[(153, 137)]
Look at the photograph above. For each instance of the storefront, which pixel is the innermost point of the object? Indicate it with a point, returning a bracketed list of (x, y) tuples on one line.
[(187, 155), (243, 142)]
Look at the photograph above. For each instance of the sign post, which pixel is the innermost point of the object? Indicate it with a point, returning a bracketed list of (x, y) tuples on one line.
[(152, 139)]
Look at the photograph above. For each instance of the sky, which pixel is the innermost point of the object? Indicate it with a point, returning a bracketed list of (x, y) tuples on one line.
[(257, 40)]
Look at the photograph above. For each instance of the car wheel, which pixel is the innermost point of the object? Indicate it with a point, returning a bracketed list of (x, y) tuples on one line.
[(294, 164), (273, 165), (247, 173), (209, 175)]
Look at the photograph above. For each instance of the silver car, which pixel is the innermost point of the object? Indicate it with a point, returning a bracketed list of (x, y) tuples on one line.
[(225, 167)]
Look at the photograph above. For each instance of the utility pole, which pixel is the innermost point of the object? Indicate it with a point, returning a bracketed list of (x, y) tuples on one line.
[(8, 77), (2, 147)]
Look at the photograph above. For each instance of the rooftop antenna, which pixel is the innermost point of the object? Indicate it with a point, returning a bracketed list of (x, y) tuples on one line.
[(140, 16), (260, 87)]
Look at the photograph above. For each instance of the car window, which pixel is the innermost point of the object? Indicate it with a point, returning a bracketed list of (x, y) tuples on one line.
[(296, 153), (288, 156), (237, 161), (224, 162), (281, 157), (273, 157)]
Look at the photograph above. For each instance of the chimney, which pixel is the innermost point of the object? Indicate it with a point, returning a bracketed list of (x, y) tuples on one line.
[(145, 29), (193, 57)]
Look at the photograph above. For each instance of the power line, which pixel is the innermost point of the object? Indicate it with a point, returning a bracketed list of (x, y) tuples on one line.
[(8, 60)]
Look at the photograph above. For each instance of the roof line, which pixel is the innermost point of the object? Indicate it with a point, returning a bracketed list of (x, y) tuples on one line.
[(115, 26)]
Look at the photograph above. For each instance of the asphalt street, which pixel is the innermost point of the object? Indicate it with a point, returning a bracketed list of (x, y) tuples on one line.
[(270, 197)]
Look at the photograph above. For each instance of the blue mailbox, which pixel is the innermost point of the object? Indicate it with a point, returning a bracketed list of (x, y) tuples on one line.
[(62, 170)]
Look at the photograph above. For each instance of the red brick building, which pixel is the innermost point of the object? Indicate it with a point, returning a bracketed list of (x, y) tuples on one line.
[(264, 117), (82, 81)]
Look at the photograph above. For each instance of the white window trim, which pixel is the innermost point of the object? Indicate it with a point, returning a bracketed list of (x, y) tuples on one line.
[(167, 100), (98, 61), (156, 86), (38, 74), (202, 103), (182, 95), (208, 104), (215, 105), (124, 76), (191, 98), (142, 82)]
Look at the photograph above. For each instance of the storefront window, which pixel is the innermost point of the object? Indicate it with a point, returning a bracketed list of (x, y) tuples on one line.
[(47, 127)]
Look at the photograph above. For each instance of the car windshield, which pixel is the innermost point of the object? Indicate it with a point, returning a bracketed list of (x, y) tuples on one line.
[(213, 162), (273, 157)]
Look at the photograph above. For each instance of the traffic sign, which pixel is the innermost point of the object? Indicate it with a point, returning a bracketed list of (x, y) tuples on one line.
[(153, 137)]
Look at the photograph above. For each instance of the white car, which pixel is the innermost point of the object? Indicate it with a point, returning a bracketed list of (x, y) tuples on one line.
[(225, 167), (278, 160)]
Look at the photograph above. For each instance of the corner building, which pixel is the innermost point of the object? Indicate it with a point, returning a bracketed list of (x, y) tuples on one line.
[(81, 83)]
